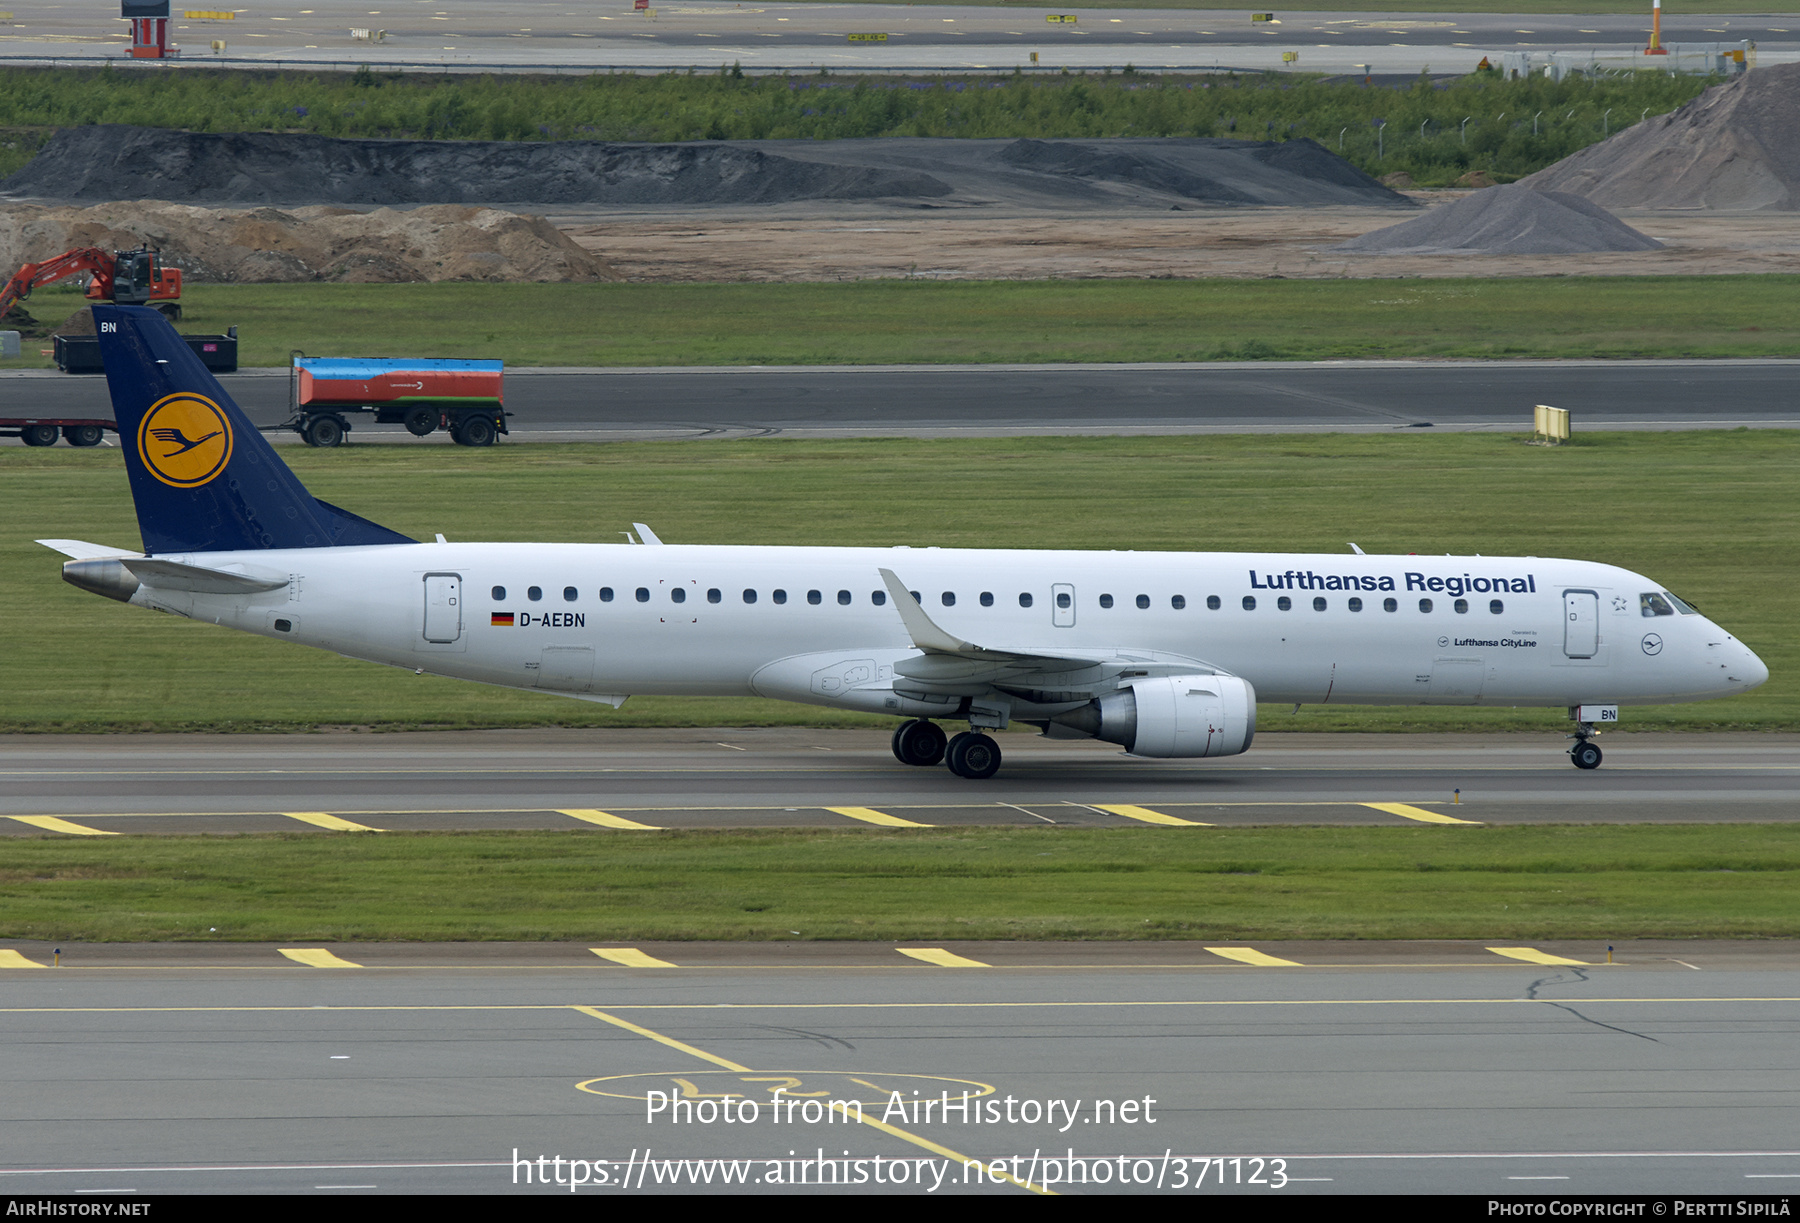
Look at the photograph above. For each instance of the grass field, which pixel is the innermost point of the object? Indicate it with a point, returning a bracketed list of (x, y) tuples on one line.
[(921, 322), (1599, 883), (1712, 515)]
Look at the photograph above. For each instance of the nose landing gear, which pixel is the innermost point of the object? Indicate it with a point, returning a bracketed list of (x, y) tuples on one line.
[(1586, 753)]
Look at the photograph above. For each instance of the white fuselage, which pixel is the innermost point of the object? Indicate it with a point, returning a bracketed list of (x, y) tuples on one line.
[(1461, 630)]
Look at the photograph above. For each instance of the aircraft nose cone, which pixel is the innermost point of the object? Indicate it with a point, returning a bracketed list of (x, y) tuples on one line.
[(1750, 669)]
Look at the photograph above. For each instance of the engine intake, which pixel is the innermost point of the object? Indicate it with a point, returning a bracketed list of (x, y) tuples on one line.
[(1170, 716)]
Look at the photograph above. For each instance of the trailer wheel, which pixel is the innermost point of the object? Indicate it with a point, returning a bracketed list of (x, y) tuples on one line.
[(323, 431), (422, 421), (38, 435), (475, 431), (169, 310), (83, 435)]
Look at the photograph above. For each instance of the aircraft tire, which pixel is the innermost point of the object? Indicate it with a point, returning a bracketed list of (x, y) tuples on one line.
[(1586, 755), (422, 421), (83, 435), (324, 431), (919, 742), (973, 755), (38, 435)]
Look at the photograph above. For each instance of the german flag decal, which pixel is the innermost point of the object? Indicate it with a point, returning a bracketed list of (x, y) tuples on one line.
[(505, 618)]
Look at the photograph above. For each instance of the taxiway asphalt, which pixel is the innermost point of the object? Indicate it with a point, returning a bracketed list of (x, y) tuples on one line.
[(599, 405), (602, 781)]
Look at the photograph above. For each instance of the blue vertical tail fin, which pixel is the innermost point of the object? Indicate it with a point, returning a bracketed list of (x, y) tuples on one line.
[(204, 479)]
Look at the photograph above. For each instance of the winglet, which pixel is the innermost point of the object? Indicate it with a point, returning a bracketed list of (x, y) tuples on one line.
[(925, 635)]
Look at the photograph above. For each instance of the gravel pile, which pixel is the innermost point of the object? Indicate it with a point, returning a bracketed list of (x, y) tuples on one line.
[(1734, 148), (115, 162), (1511, 220)]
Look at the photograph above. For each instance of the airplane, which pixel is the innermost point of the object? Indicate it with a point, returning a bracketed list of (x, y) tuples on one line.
[(1164, 654)]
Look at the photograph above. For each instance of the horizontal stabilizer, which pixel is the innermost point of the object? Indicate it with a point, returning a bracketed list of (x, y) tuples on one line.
[(170, 575), (81, 550)]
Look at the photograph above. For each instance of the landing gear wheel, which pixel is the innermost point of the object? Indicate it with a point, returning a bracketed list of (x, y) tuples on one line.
[(323, 431), (919, 742), (1585, 754), (83, 435), (38, 435), (422, 421), (474, 431), (973, 755)]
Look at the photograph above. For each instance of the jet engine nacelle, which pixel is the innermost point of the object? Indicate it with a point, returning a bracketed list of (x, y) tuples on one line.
[(1178, 715)]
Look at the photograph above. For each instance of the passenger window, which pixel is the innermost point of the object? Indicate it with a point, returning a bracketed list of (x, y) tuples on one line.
[(1063, 601), (1178, 602), (749, 596), (987, 598), (1653, 604), (713, 595), (1318, 604), (1143, 601), (1461, 606), (535, 593), (643, 594), (499, 594), (1105, 600), (1390, 605), (916, 597), (677, 595), (1285, 603), (568, 594), (1496, 606), (1425, 605), (1249, 602), (606, 594), (814, 597), (843, 598), (780, 596), (1024, 599), (1212, 602), (878, 598), (1354, 605), (948, 598)]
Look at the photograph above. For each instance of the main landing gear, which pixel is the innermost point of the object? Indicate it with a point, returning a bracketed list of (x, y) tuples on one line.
[(970, 754)]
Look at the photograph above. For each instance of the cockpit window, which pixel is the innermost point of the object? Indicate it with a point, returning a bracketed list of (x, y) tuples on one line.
[(1653, 604), (1685, 609)]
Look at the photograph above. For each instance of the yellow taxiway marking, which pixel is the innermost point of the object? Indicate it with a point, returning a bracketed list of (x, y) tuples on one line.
[(322, 819), (14, 959), (630, 957), (1250, 955), (869, 815), (1407, 812), (605, 819), (49, 823), (1145, 815), (660, 1039), (940, 957), (873, 1123), (316, 957), (1531, 955)]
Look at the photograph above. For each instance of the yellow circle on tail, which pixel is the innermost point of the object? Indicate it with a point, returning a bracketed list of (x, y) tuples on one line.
[(185, 440)]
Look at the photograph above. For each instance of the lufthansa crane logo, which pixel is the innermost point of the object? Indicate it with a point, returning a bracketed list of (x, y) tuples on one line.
[(185, 440)]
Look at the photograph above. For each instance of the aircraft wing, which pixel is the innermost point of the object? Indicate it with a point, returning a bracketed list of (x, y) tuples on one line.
[(952, 666)]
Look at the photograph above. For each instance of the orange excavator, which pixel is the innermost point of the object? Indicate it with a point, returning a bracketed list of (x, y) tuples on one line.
[(125, 278)]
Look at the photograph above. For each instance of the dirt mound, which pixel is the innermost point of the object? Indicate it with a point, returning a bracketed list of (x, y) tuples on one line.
[(110, 161), (1735, 147), (265, 245), (1510, 220)]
